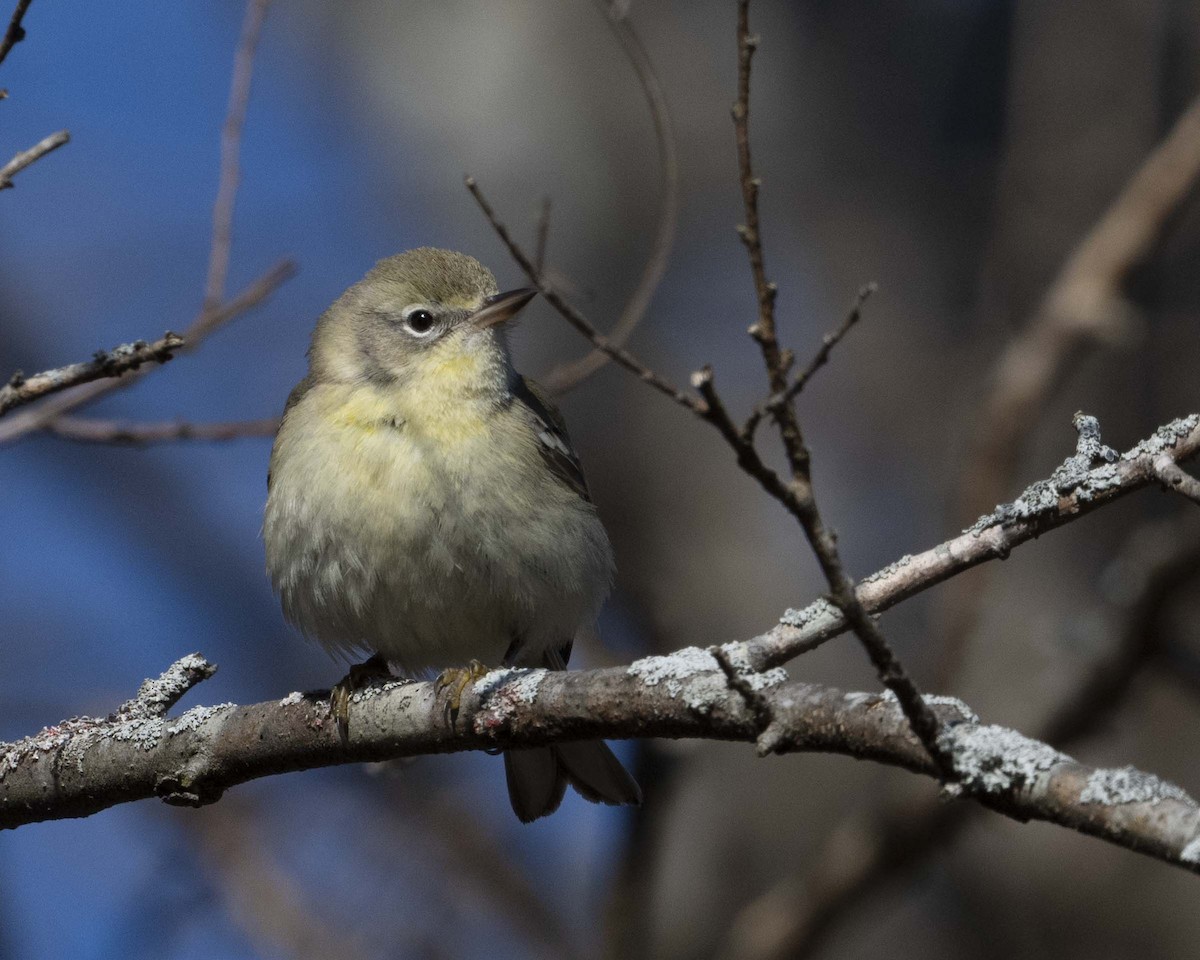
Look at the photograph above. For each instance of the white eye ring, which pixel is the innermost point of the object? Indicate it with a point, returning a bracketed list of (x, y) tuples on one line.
[(419, 320)]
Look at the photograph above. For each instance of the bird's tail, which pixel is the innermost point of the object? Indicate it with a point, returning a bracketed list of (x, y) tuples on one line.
[(538, 777)]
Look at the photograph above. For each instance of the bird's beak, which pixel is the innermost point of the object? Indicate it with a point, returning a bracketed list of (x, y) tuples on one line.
[(502, 307)]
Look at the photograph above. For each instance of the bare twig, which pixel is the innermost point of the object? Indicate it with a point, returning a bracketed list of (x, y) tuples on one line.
[(156, 696), (40, 418), (1174, 477), (763, 331), (801, 500), (775, 403), (33, 154), (104, 364), (1045, 505), (138, 433), (542, 237), (570, 375), (616, 352), (231, 146), (85, 765), (15, 32)]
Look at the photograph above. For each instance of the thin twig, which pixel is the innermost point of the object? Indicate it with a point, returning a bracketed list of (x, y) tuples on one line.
[(1174, 477), (15, 32), (1046, 505), (617, 353), (801, 499), (773, 404), (231, 146), (33, 154), (111, 363), (541, 237), (570, 375), (40, 418), (138, 433), (763, 330)]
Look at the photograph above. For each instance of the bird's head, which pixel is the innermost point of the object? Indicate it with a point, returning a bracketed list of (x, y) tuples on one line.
[(424, 318)]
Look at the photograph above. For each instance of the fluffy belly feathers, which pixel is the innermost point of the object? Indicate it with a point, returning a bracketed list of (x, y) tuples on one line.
[(421, 549)]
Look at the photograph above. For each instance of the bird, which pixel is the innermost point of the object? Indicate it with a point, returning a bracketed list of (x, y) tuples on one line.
[(425, 505)]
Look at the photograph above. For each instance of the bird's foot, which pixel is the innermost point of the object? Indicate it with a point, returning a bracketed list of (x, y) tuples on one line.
[(456, 680), (360, 675)]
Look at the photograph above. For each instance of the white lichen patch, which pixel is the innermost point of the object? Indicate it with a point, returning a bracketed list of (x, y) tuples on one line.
[(890, 570), (996, 760), (73, 738), (1115, 786), (50, 739), (517, 685), (1164, 438), (373, 690), (502, 693), (815, 611), (1191, 853), (675, 669), (156, 696), (768, 678), (1090, 472), (942, 700), (195, 718), (691, 674), (694, 676), (965, 713), (738, 657)]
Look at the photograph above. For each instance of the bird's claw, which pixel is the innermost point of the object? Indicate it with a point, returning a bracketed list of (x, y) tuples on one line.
[(359, 676), (456, 680)]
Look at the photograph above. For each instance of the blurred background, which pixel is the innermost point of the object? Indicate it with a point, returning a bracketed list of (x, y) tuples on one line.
[(954, 152)]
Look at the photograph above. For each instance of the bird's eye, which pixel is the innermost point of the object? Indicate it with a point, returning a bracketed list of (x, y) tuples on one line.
[(419, 321)]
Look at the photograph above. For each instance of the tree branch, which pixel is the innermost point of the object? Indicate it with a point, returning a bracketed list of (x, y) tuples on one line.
[(1073, 491), (773, 404), (213, 313), (33, 154), (801, 499), (40, 418), (15, 32), (138, 433), (104, 364), (85, 765), (1174, 477), (793, 920), (1083, 307), (231, 148), (576, 319)]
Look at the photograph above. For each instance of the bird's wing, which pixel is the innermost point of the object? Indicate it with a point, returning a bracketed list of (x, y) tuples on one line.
[(294, 398), (553, 442)]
